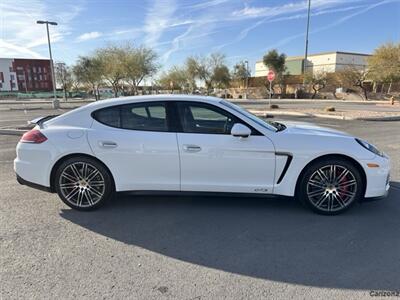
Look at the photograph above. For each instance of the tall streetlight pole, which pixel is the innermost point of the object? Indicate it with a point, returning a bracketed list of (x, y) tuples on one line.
[(56, 103), (308, 27)]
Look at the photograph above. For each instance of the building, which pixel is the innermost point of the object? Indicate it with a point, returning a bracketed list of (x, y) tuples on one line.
[(25, 75), (328, 62)]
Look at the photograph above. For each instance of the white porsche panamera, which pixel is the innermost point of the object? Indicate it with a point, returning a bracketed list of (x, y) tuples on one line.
[(194, 144)]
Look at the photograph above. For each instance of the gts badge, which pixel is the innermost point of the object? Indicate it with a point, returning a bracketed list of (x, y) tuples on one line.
[(261, 190)]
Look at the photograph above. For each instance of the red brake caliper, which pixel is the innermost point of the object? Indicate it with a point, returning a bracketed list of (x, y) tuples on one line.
[(345, 188)]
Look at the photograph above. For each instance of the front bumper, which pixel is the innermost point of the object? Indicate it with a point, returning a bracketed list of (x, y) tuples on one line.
[(377, 177)]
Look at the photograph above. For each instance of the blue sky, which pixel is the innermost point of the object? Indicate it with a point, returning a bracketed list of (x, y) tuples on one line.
[(241, 29)]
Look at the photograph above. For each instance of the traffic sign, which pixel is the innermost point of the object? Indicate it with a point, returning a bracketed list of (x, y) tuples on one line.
[(271, 75)]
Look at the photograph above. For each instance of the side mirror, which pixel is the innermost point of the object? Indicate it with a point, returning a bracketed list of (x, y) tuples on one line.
[(240, 130)]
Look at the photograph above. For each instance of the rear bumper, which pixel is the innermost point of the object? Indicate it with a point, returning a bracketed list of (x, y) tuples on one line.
[(33, 185), (33, 163)]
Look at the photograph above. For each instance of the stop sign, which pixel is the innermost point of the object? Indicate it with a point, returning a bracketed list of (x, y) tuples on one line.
[(271, 75)]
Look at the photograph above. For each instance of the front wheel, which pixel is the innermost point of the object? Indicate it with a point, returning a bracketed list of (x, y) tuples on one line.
[(331, 186), (83, 183)]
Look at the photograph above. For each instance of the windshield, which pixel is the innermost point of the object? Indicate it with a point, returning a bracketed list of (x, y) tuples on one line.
[(270, 125)]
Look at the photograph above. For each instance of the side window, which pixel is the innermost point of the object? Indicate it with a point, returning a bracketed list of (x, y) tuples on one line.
[(204, 118), (140, 116), (149, 116), (108, 116)]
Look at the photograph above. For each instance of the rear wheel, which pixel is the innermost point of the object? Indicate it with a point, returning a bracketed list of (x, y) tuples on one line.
[(83, 183), (331, 186)]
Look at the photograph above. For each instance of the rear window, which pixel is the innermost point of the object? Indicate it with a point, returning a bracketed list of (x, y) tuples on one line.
[(108, 116), (138, 116)]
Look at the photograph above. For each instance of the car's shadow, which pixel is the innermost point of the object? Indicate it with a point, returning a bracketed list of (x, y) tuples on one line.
[(274, 239)]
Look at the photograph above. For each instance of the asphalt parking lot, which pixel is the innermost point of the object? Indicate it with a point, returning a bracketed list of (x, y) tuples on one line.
[(197, 248)]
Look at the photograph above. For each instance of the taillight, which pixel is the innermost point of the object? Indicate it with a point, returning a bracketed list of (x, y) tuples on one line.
[(33, 136)]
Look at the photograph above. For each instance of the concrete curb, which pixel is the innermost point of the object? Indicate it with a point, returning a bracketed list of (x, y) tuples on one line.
[(391, 118), (267, 113), (49, 102), (18, 132), (261, 113), (300, 101)]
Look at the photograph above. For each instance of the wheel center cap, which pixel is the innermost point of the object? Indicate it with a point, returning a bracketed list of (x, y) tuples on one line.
[(83, 183), (330, 189)]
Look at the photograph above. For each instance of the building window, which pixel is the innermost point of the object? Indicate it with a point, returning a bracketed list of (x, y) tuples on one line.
[(34, 69), (39, 69), (11, 69), (1, 85), (13, 85), (1, 77), (40, 77), (44, 70), (12, 77)]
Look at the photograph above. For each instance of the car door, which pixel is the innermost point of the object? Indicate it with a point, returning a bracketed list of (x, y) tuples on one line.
[(213, 160), (134, 141)]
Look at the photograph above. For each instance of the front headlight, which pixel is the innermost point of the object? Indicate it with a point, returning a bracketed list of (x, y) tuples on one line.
[(370, 147)]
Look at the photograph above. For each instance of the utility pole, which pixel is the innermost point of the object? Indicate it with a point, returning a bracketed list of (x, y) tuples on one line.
[(307, 30), (56, 103)]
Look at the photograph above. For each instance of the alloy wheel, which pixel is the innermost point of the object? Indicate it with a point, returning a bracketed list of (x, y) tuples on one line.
[(82, 184), (331, 188)]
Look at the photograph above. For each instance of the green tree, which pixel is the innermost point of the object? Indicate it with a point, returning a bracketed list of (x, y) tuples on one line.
[(113, 65), (211, 70), (240, 72), (88, 72), (276, 62), (221, 77), (139, 64), (384, 64), (175, 79), (63, 77), (317, 81), (352, 77)]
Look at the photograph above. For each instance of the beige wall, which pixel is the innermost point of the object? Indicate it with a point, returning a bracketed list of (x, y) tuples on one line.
[(326, 62), (260, 69), (321, 63)]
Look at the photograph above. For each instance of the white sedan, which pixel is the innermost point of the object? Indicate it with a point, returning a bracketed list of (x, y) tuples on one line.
[(194, 144)]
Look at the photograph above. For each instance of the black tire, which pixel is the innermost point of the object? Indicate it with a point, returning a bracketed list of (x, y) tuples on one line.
[(87, 193), (327, 197)]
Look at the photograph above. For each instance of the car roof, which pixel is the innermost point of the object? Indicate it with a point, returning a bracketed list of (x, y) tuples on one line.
[(148, 98)]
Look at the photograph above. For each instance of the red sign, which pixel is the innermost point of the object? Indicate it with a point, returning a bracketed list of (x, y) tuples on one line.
[(271, 75)]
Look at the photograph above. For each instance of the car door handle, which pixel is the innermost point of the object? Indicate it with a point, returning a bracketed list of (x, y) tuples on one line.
[(108, 144), (191, 148)]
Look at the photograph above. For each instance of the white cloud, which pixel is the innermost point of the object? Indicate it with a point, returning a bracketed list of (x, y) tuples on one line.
[(283, 12), (11, 50), (158, 18), (293, 7), (19, 32), (89, 36), (207, 4), (361, 9)]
